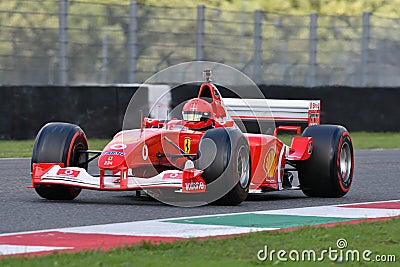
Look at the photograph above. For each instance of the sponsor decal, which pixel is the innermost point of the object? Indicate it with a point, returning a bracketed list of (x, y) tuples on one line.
[(194, 106), (145, 152), (310, 147), (118, 146), (68, 172), (172, 175), (107, 163), (270, 162), (314, 105), (313, 118), (194, 186), (114, 153), (186, 145)]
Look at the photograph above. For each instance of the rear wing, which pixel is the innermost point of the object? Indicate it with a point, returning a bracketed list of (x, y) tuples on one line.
[(287, 112)]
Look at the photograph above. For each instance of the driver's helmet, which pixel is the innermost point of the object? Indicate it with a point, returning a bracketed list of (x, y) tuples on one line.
[(197, 114)]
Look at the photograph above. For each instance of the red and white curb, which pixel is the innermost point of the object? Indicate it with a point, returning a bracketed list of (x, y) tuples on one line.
[(108, 236)]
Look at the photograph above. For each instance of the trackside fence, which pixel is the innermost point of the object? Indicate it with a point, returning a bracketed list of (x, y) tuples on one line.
[(70, 42)]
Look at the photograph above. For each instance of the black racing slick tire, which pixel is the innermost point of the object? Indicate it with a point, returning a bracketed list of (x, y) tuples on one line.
[(329, 170), (59, 142), (224, 156)]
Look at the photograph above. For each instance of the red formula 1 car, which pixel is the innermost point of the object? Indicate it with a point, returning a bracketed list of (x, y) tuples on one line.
[(202, 157)]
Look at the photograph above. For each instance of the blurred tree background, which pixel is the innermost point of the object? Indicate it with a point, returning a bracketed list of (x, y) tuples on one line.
[(386, 8), (29, 34)]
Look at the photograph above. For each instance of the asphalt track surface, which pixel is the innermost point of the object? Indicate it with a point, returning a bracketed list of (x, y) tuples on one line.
[(376, 178)]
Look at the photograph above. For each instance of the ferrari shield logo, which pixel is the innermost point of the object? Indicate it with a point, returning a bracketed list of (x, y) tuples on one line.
[(186, 145)]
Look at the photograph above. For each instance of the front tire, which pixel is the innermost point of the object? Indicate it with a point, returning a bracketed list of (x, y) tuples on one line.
[(224, 156), (329, 170), (59, 143)]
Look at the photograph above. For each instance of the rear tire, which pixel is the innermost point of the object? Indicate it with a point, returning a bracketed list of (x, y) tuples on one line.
[(59, 143), (227, 171), (329, 170)]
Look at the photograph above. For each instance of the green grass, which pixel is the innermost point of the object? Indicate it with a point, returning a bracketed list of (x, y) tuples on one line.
[(16, 149), (364, 140), (23, 148), (361, 140), (98, 144), (382, 238)]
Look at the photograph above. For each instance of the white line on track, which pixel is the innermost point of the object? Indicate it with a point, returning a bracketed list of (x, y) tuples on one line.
[(18, 249), (14, 158)]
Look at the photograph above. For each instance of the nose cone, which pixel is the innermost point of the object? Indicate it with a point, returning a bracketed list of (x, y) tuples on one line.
[(111, 159)]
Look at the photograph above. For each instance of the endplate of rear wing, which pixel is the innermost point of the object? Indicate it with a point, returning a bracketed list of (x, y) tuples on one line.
[(294, 112)]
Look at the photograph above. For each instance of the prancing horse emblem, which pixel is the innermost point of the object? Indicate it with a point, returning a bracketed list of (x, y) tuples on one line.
[(186, 145)]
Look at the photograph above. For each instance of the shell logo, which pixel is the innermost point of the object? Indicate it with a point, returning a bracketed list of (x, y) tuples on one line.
[(270, 163)]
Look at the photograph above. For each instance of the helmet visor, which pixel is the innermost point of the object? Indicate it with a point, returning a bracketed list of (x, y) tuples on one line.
[(195, 116)]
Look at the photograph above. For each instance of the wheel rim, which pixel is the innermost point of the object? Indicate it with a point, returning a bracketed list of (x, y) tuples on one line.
[(243, 167), (82, 157), (79, 158), (345, 163)]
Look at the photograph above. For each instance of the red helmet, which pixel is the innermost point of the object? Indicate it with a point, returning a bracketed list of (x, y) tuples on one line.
[(197, 114)]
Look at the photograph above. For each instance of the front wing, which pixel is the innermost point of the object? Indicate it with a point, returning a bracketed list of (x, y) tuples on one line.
[(185, 181)]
